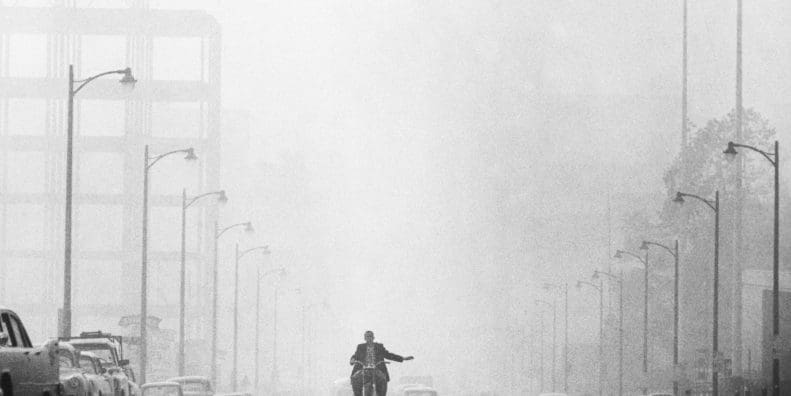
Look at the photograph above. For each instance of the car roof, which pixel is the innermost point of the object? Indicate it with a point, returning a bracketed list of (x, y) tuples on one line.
[(162, 383), (66, 345), (192, 378), (92, 341)]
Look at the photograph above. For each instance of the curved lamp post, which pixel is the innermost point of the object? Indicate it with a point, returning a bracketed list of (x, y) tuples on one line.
[(774, 159), (619, 254), (618, 279), (600, 288), (239, 255), (248, 228), (74, 87), (715, 206), (150, 161), (222, 199), (554, 343), (673, 252), (282, 272)]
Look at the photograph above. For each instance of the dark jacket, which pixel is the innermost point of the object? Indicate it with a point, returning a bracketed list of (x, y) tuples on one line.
[(380, 353)]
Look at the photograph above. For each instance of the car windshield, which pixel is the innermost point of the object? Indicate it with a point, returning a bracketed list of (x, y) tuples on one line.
[(64, 361), (102, 351), (87, 365), (161, 391)]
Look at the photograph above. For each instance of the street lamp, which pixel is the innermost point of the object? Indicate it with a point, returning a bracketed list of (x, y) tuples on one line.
[(127, 80), (715, 206), (222, 199), (565, 289), (554, 343), (248, 228), (731, 153), (282, 272), (619, 254), (600, 288), (149, 162), (674, 252), (239, 256), (618, 279)]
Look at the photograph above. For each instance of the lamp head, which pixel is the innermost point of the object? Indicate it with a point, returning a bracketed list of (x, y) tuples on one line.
[(248, 228), (730, 152), (128, 80), (679, 199), (644, 245), (221, 197), (190, 154)]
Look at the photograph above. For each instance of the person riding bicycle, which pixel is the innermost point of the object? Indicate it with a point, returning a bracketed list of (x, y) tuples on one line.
[(369, 354)]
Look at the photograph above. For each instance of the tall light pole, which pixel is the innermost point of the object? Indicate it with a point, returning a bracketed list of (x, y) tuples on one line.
[(221, 198), (248, 227), (618, 279), (554, 335), (150, 161), (674, 253), (600, 288), (239, 255), (281, 272), (74, 87), (541, 349), (774, 159), (715, 206), (619, 254), (563, 288)]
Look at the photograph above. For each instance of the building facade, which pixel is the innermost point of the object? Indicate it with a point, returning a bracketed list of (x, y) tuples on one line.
[(175, 56)]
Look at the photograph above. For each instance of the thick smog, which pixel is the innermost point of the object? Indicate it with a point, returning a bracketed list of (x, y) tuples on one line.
[(472, 198)]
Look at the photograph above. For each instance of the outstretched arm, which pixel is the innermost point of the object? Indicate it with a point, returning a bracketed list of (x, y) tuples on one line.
[(392, 356)]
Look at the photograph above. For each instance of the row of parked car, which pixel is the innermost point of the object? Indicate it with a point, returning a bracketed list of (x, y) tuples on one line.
[(91, 364)]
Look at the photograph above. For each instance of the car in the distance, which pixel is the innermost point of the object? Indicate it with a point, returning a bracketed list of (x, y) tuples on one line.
[(194, 385), (164, 388)]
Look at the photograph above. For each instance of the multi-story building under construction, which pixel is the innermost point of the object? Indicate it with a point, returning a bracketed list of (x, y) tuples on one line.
[(175, 56)]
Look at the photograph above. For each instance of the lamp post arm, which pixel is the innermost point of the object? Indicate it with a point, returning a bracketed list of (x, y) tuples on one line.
[(635, 256), (671, 251), (219, 234), (197, 197), (244, 252), (89, 79), (153, 160), (766, 154), (701, 199), (611, 276)]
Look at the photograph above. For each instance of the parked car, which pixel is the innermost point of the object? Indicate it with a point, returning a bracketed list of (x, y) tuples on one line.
[(164, 388), (416, 390), (109, 349), (194, 385), (92, 367), (73, 381), (25, 370)]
